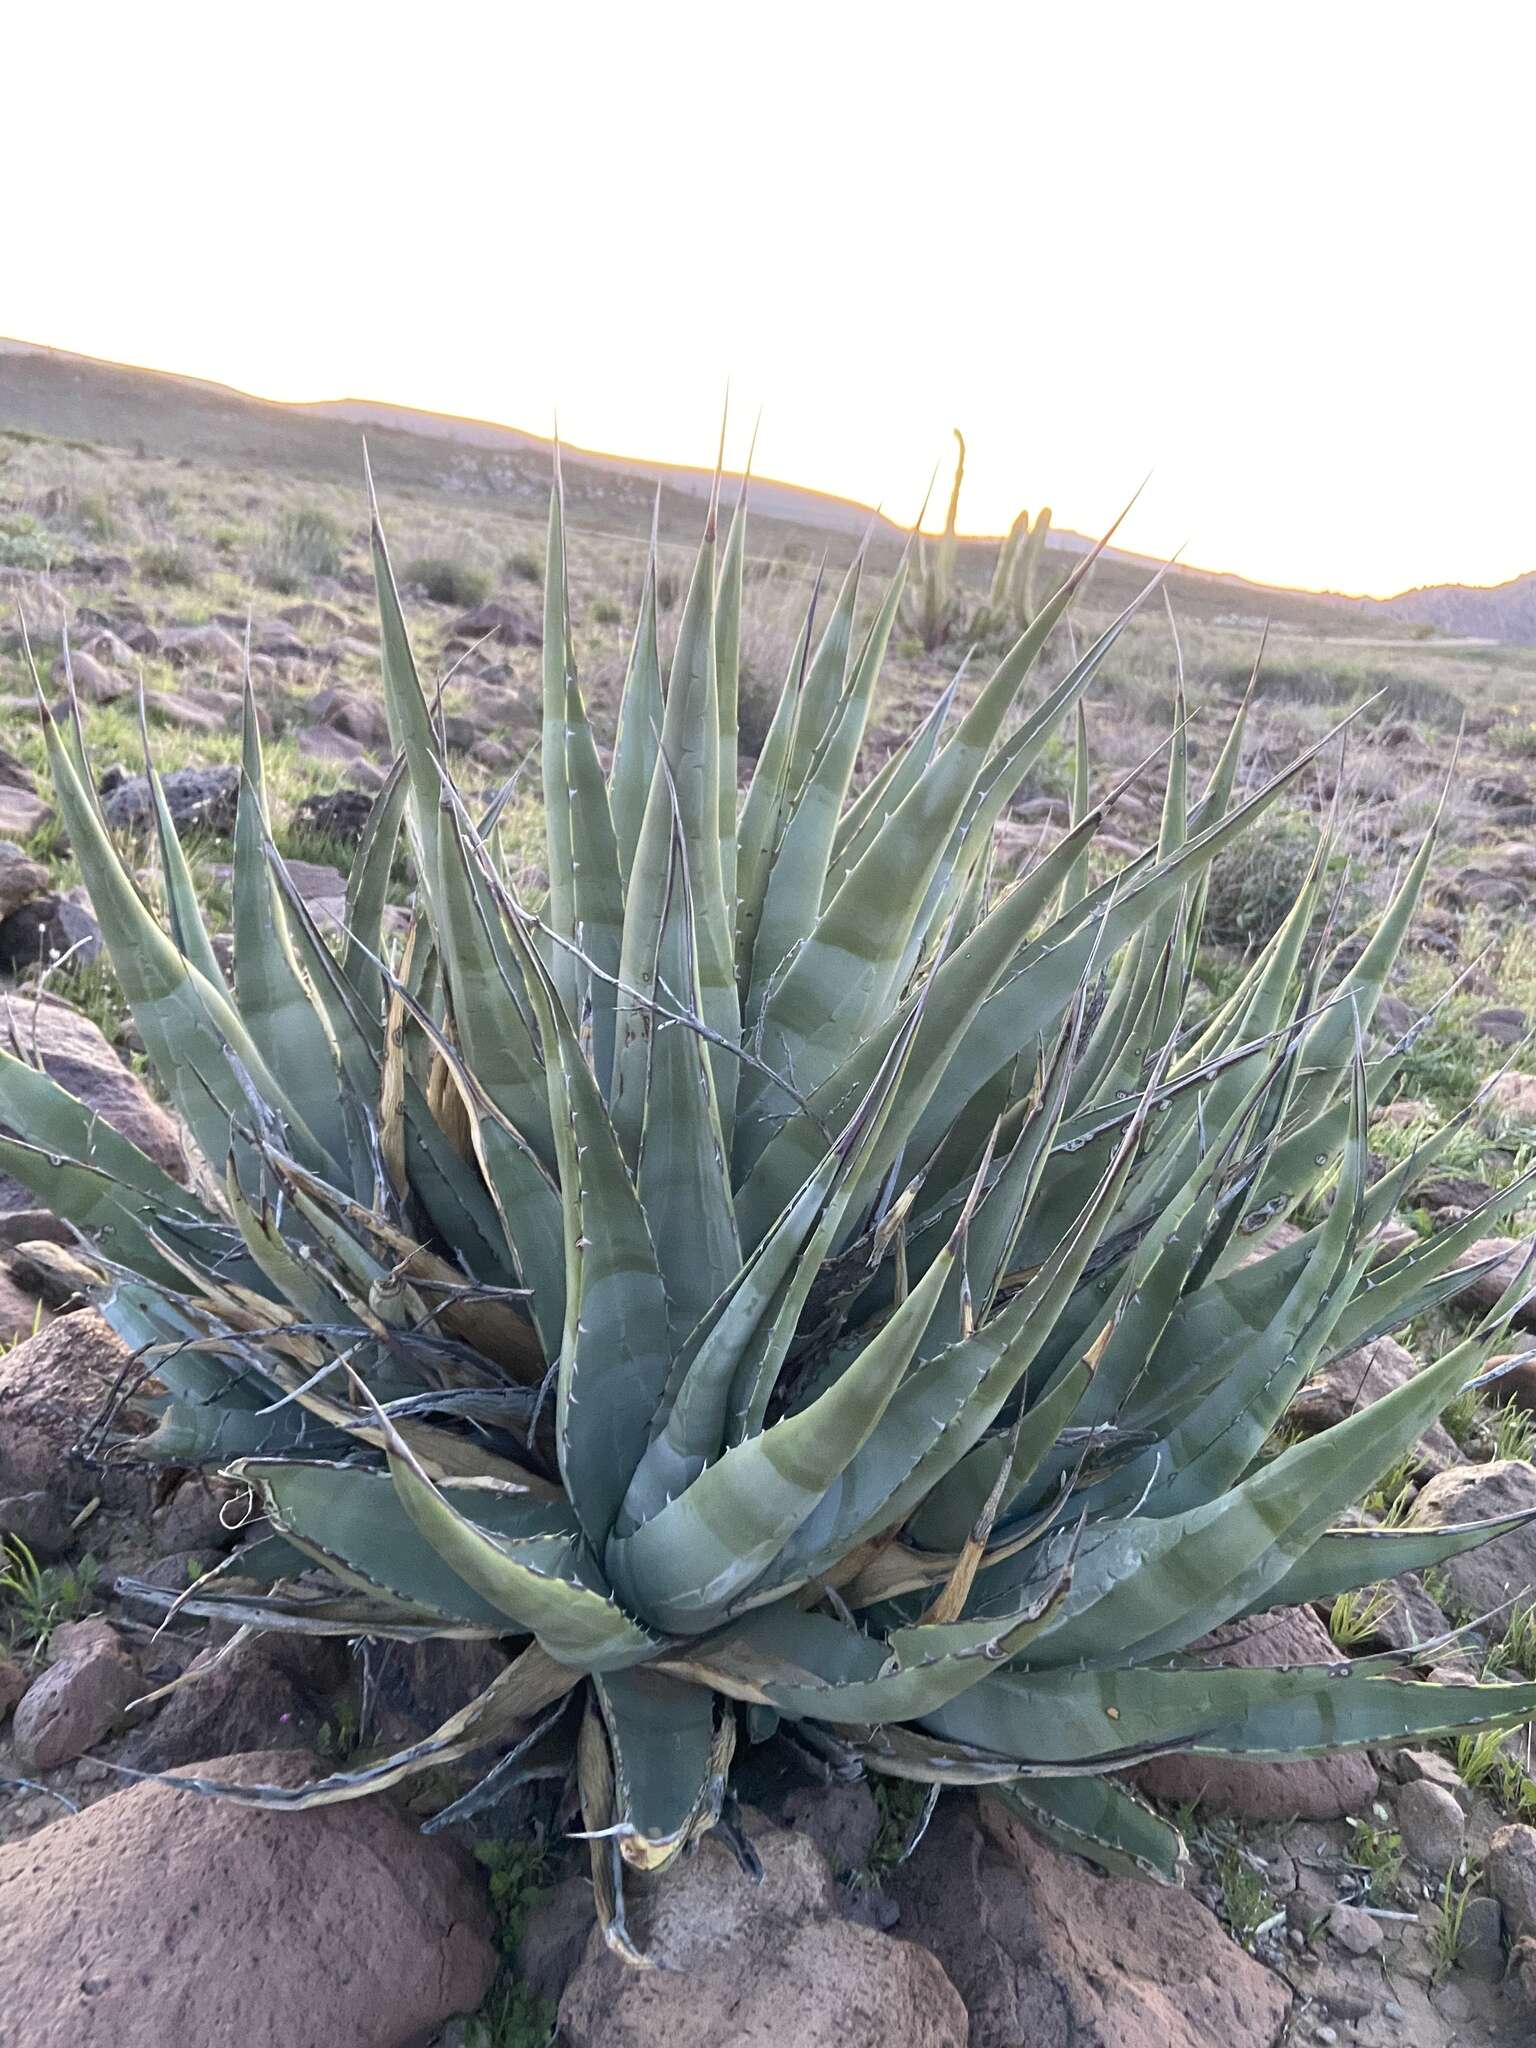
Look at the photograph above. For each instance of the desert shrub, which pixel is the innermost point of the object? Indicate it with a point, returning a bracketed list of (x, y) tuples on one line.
[(524, 567), (168, 562), (300, 545), (447, 579)]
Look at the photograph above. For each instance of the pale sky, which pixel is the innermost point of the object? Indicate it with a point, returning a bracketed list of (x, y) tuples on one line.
[(1277, 254)]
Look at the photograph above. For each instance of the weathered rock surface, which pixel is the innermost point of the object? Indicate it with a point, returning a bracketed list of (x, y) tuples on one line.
[(82, 1696), (21, 878), (203, 798), (1355, 1381), (744, 1966), (52, 1386), (1512, 1877), (1048, 1954), (156, 1917), (266, 1693), (1484, 1578), (1321, 1788), (1432, 1824), (74, 1053)]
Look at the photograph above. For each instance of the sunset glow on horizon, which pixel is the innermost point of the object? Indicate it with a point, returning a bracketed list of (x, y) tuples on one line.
[(1276, 257)]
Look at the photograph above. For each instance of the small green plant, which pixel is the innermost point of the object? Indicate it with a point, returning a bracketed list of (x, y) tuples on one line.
[(1246, 1900), (1445, 1934), (24, 551), (1379, 1853), (1514, 1433), (512, 2017), (527, 568), (1390, 1500), (36, 1599), (518, 1874), (1356, 1617), (1477, 1755), (604, 612), (444, 579), (303, 544), (900, 1804), (1466, 1418)]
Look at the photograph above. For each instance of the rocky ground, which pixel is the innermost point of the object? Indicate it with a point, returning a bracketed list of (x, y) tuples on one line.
[(1368, 1900)]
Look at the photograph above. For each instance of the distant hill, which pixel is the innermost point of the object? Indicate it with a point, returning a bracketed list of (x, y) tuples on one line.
[(74, 397), (1499, 611)]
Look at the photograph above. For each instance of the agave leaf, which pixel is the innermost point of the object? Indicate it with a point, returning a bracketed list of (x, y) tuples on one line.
[(182, 907), (352, 1520), (189, 1029), (552, 1590), (685, 795), (814, 1667), (640, 718), (709, 1546), (728, 685), (1343, 1559), (1096, 1818), (798, 874), (368, 890), (667, 1768), (762, 815), (524, 1689), (1060, 1717)]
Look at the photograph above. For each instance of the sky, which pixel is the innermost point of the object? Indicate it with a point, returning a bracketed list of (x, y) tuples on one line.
[(1277, 256)]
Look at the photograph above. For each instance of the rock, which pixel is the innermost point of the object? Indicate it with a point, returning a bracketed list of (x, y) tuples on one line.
[(1410, 1617), (413, 1688), (1504, 1025), (326, 743), (203, 646), (84, 1693), (1355, 1930), (1410, 1764), (554, 1938), (1511, 1099), (1484, 1578), (1432, 1825), (1448, 1197), (263, 1692), (74, 1053), (842, 1820), (1394, 1016), (311, 616), (348, 711), (1047, 1954), (41, 1521), (94, 682), (21, 812), (1521, 1982), (1483, 1290), (1512, 1876), (200, 798), (169, 707), (15, 774), (44, 930), (1355, 1381), (506, 625), (1480, 1940), (52, 1386), (739, 1964), (14, 1680), (340, 814), (20, 878), (157, 1917), (1322, 1788), (193, 1519)]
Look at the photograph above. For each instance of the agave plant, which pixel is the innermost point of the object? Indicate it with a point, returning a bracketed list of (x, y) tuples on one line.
[(784, 1284)]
